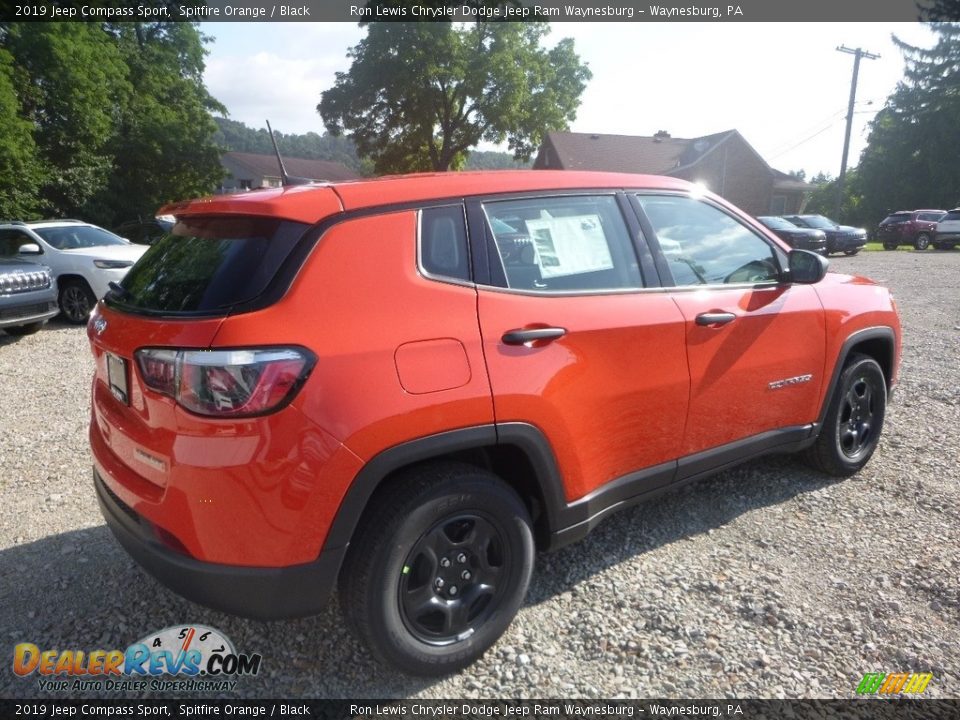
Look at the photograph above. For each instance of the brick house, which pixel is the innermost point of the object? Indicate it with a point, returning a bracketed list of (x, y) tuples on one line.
[(724, 162), (249, 171)]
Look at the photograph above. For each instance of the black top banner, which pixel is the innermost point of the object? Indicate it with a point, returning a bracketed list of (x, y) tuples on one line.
[(482, 10)]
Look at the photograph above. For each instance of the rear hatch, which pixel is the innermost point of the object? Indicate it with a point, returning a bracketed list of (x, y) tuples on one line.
[(173, 301)]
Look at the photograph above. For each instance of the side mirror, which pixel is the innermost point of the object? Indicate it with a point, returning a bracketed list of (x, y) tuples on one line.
[(29, 249), (806, 267)]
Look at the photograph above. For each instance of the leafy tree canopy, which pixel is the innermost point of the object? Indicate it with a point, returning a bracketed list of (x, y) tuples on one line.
[(419, 96), (909, 161), (106, 121)]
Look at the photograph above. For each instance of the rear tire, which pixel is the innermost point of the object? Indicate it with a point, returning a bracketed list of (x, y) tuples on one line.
[(76, 300), (440, 568), (854, 420), (851, 253), (28, 329), (889, 246), (922, 242)]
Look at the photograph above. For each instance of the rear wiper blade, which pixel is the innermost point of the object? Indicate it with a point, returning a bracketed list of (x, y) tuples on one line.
[(118, 290)]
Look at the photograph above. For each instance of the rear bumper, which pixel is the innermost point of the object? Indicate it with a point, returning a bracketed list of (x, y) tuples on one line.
[(261, 593)]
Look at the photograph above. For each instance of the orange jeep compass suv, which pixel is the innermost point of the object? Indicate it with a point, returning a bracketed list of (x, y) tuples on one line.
[(405, 387)]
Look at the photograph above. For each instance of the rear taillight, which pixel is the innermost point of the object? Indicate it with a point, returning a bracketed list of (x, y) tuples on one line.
[(226, 383)]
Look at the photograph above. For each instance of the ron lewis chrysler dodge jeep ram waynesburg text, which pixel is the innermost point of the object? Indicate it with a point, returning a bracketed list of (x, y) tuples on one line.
[(405, 387)]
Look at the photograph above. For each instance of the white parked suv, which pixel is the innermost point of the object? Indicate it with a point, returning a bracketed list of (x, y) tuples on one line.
[(84, 258), (948, 231)]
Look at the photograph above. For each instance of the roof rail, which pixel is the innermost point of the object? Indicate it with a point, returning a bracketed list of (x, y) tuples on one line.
[(63, 220)]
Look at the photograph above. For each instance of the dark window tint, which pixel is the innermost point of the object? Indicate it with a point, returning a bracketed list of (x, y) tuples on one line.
[(443, 243), (11, 240), (705, 246), (563, 244), (952, 215), (208, 264), (896, 219)]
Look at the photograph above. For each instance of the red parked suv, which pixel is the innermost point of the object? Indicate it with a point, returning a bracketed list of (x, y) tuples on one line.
[(407, 386), (909, 227)]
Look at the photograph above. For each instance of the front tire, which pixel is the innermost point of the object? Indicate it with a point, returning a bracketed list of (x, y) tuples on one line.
[(440, 568), (889, 246), (854, 420), (851, 253), (922, 242), (76, 300)]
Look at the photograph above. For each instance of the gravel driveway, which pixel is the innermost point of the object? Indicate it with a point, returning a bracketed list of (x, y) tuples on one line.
[(766, 581)]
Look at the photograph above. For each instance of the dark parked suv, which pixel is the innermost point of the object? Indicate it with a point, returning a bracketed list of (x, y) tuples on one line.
[(797, 237), (909, 227), (840, 238)]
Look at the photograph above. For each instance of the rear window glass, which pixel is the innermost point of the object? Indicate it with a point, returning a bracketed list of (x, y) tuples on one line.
[(896, 219), (208, 264)]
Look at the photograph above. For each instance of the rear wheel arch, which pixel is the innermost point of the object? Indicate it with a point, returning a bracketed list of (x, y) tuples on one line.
[(520, 456)]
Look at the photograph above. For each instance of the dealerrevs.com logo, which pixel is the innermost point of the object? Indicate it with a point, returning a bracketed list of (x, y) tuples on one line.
[(181, 657)]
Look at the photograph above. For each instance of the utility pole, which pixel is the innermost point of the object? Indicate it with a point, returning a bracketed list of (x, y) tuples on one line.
[(857, 54)]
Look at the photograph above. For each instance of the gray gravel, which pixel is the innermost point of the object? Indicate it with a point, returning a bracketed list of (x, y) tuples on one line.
[(766, 581)]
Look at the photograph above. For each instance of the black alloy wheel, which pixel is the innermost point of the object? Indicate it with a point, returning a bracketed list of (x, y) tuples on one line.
[(76, 300), (438, 568), (854, 419), (449, 582)]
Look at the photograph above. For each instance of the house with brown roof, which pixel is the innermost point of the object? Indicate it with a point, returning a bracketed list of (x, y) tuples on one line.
[(724, 162), (249, 171)]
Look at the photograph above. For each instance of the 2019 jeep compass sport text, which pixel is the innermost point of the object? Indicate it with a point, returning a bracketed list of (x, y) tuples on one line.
[(404, 387)]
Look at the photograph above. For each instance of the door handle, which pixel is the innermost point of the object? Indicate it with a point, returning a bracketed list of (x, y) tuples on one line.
[(715, 318), (522, 336)]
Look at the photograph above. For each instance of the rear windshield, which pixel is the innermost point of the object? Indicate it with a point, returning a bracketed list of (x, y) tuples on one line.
[(207, 265), (896, 219), (74, 237)]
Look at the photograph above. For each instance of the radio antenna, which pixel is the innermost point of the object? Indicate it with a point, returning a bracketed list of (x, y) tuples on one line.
[(286, 179)]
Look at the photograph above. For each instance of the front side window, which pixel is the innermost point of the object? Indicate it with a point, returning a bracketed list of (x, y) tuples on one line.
[(562, 244), (11, 240), (705, 246)]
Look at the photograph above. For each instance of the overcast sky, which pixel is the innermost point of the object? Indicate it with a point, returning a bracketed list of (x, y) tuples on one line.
[(782, 85)]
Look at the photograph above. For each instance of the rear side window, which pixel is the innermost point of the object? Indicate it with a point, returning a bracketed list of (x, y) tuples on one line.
[(208, 265), (562, 244), (443, 243)]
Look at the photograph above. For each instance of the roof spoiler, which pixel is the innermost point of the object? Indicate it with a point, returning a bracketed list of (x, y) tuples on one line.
[(284, 177)]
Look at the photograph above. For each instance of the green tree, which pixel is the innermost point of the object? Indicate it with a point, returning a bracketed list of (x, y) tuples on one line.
[(70, 81), (909, 160), (419, 96), (20, 173), (163, 141)]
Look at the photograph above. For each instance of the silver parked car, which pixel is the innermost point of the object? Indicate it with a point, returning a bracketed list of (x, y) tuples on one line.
[(28, 296), (947, 235)]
